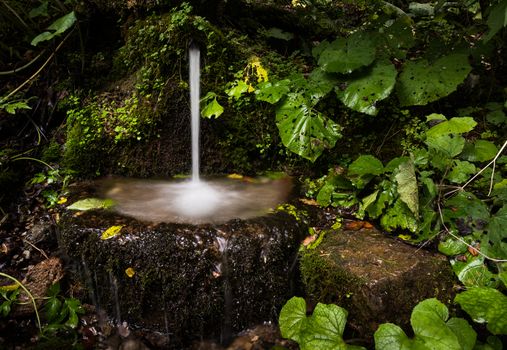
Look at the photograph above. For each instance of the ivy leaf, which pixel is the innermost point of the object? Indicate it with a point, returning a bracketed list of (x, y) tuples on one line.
[(497, 19), (325, 329), (362, 92), (292, 318), (272, 93), (485, 305), (91, 203), (57, 27), (303, 130), (345, 55), (212, 109), (422, 82), (407, 186), (366, 165)]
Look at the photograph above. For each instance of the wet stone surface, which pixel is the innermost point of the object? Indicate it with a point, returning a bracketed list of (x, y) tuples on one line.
[(376, 278), (189, 282)]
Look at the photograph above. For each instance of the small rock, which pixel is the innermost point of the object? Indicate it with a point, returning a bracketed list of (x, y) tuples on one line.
[(26, 254)]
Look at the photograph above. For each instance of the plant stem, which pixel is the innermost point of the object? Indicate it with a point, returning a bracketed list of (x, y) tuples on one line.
[(29, 295)]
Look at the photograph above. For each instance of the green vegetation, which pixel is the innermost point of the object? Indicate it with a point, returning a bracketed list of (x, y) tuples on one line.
[(393, 110)]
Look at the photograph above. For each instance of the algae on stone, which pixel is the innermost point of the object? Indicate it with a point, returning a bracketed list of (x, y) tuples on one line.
[(376, 278)]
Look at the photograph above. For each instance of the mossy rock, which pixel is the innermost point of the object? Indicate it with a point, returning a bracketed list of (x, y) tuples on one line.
[(189, 281), (376, 278)]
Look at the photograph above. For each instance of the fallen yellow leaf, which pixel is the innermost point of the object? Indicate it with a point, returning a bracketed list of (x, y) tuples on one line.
[(130, 272), (111, 232), (9, 288), (235, 176), (62, 200)]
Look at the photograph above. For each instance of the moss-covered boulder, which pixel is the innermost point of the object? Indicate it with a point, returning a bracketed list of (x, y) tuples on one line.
[(190, 282), (376, 278)]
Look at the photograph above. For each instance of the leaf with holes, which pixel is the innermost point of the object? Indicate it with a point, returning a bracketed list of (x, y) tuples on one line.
[(303, 130), (272, 92), (345, 55), (362, 92), (422, 82)]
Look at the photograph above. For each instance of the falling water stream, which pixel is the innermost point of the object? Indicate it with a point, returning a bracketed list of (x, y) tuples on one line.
[(196, 201)]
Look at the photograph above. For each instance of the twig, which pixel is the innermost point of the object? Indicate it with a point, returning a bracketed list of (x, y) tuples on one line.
[(493, 162), (15, 70), (39, 70), (462, 241), (15, 14), (38, 249)]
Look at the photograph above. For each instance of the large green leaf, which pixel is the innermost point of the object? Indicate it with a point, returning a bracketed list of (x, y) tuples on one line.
[(325, 328), (56, 28), (399, 216), (460, 171), (457, 125), (473, 272), (431, 328), (292, 318), (485, 305), (495, 243), (304, 131), (407, 186), (362, 91), (497, 18), (345, 55), (422, 82), (428, 321), (91, 203), (366, 165), (480, 151), (212, 109), (272, 93)]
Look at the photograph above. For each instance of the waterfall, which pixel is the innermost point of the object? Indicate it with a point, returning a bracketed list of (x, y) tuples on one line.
[(194, 73)]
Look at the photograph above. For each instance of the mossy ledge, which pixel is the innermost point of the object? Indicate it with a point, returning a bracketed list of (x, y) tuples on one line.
[(375, 277), (190, 282)]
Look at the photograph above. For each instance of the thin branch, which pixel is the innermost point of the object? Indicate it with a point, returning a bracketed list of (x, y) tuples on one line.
[(16, 70), (15, 14), (35, 247), (39, 70), (493, 162)]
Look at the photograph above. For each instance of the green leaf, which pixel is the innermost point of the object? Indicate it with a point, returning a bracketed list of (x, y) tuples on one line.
[(448, 145), (480, 151), (428, 321), (457, 125), (321, 83), (325, 328), (238, 89), (11, 107), (292, 319), (57, 27), (391, 337), (277, 33), (399, 216), (451, 247), (463, 331), (366, 165), (91, 203), (485, 305), (345, 55), (407, 186), (212, 109), (324, 195), (473, 272), (495, 244), (362, 92), (41, 10), (460, 171), (422, 82), (52, 308), (303, 130), (272, 93), (497, 19)]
